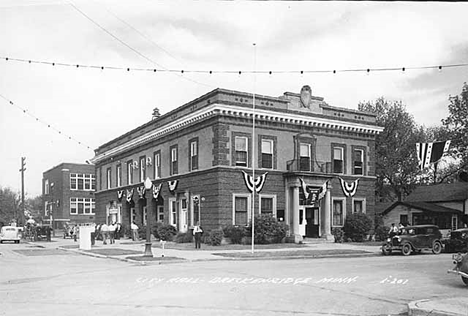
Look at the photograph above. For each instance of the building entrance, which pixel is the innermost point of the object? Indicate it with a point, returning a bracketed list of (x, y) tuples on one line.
[(312, 222)]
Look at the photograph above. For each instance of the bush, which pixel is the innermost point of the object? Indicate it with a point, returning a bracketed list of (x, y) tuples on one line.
[(267, 229), (165, 232), (357, 226), (338, 234), (235, 233), (381, 233), (184, 237), (214, 237)]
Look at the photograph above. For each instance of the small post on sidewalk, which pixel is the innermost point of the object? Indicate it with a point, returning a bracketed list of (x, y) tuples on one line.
[(149, 196)]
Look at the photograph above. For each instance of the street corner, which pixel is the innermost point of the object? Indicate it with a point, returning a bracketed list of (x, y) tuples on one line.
[(455, 306)]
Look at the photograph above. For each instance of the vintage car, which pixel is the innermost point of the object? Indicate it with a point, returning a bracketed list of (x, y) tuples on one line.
[(10, 233), (415, 239), (461, 266), (458, 241)]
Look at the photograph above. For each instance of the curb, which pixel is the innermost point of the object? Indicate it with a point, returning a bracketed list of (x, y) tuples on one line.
[(415, 310)]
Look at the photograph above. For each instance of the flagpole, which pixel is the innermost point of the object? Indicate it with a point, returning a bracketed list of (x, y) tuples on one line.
[(253, 147)]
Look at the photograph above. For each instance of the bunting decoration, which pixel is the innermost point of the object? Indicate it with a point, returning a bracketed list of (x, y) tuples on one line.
[(120, 195), (349, 189), (323, 190), (129, 195), (313, 194), (431, 152), (141, 192), (157, 190), (257, 184), (173, 185)]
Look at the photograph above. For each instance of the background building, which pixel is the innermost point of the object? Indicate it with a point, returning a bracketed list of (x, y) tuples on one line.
[(198, 151), (68, 194)]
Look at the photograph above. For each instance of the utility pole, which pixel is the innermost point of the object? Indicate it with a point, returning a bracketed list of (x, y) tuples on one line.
[(22, 170)]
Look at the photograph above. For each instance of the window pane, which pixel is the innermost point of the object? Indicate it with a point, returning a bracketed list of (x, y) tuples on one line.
[(241, 158), (241, 144), (241, 216), (267, 147), (304, 164), (337, 154), (267, 161), (337, 213), (357, 155), (304, 150), (357, 206), (267, 205), (193, 149)]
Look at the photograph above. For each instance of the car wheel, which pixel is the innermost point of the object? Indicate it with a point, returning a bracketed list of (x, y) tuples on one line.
[(436, 247), (406, 249), (465, 280), (386, 249)]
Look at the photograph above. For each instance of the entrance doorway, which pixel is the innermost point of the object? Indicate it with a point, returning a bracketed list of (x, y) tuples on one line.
[(312, 224)]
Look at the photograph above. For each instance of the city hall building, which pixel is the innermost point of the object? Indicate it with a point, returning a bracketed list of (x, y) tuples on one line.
[(313, 164)]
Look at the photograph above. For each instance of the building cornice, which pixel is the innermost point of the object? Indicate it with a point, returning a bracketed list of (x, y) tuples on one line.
[(243, 112)]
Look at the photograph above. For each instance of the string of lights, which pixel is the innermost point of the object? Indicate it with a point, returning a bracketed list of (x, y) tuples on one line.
[(238, 72), (26, 112)]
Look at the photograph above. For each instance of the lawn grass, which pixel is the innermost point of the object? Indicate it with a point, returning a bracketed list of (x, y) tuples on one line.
[(191, 246)]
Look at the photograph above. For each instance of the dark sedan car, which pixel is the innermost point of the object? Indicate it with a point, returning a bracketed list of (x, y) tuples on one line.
[(415, 239), (458, 241)]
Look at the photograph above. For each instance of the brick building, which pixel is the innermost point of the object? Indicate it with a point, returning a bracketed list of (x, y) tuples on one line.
[(68, 194), (198, 151)]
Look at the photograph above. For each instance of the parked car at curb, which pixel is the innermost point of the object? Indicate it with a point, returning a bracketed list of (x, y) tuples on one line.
[(10, 233), (458, 241), (414, 239), (461, 266)]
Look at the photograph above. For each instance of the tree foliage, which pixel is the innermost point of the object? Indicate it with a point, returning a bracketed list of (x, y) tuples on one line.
[(9, 205), (396, 159), (456, 126)]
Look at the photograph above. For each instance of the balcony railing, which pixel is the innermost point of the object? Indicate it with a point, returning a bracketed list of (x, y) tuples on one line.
[(308, 165)]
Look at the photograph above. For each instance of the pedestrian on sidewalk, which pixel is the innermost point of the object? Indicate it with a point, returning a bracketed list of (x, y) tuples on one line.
[(118, 231), (75, 232), (134, 229), (112, 228), (104, 233), (197, 232)]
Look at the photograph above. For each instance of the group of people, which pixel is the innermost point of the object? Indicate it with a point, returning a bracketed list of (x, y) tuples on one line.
[(109, 232), (395, 230)]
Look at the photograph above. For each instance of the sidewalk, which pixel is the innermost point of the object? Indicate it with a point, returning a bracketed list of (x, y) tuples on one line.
[(455, 306)]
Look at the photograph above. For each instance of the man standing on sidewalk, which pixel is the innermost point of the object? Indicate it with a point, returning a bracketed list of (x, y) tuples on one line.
[(197, 232), (104, 233), (112, 228), (134, 229)]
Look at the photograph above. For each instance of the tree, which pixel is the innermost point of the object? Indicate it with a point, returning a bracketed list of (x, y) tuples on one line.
[(9, 205), (456, 127), (396, 159)]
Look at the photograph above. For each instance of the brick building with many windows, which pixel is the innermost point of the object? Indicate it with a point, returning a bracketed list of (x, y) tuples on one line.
[(319, 160), (68, 194)]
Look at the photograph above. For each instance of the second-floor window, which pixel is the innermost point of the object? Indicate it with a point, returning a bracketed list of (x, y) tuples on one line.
[(304, 157), (338, 160), (174, 161), (241, 147), (358, 157), (118, 174), (267, 153), (80, 181), (82, 206), (108, 178), (46, 186), (130, 172), (193, 162), (142, 168), (157, 164)]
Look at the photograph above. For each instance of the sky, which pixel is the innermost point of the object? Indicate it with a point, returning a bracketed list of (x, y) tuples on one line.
[(86, 107)]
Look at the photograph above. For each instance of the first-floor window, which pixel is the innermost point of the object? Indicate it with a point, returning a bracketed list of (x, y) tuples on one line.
[(195, 210), (241, 210), (359, 206), (145, 211), (338, 212), (82, 206), (133, 214), (268, 204), (173, 210), (160, 215)]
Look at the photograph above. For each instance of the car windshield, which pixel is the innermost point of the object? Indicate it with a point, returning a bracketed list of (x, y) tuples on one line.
[(407, 231)]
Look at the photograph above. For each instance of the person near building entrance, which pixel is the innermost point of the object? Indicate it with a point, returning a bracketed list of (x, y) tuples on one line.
[(118, 231), (104, 233), (197, 232), (393, 230), (112, 228), (134, 229)]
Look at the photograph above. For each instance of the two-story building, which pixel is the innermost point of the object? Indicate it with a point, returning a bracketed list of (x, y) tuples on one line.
[(319, 160), (68, 194)]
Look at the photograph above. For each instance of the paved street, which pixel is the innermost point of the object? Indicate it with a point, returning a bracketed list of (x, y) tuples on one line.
[(53, 281)]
